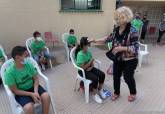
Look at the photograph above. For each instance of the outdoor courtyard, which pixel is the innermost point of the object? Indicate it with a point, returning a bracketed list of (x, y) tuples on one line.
[(150, 80)]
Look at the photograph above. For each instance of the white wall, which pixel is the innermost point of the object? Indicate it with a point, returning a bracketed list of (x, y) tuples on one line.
[(20, 18)]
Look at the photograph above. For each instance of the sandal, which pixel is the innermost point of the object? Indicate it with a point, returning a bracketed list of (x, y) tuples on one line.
[(114, 97), (131, 98)]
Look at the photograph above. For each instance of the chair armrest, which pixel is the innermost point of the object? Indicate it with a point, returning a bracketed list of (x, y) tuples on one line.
[(145, 46), (98, 63), (82, 70), (45, 79), (14, 105), (47, 49), (5, 57)]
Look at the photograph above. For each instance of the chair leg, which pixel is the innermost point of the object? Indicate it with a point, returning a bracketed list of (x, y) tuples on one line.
[(53, 106), (68, 57), (140, 61), (50, 62), (86, 85), (75, 85)]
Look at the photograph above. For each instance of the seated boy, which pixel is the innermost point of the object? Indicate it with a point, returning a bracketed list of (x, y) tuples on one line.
[(71, 39), (39, 52), (22, 79)]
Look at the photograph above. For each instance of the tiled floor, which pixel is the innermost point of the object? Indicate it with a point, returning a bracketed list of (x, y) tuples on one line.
[(150, 81)]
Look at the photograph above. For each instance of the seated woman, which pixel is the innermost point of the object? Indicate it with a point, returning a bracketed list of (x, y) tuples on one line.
[(2, 60), (71, 39), (85, 60), (39, 52)]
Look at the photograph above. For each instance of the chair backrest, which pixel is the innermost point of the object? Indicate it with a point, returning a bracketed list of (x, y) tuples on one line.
[(64, 37), (152, 30), (29, 43), (3, 52), (16, 108), (48, 35), (72, 56)]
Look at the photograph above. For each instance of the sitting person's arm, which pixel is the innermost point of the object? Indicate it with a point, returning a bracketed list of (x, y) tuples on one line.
[(87, 65), (16, 91), (36, 83)]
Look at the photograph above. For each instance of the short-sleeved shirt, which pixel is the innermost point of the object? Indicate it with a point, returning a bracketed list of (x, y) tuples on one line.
[(71, 40), (22, 78), (36, 47), (137, 23), (83, 58), (1, 55)]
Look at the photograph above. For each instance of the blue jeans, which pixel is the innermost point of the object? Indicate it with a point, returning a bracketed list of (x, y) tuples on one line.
[(45, 54)]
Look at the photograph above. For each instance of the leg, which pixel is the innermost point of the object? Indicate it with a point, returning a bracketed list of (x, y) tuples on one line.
[(100, 75), (117, 73), (160, 36), (29, 108), (27, 103), (129, 69), (45, 103), (36, 58), (45, 98), (91, 76), (143, 35)]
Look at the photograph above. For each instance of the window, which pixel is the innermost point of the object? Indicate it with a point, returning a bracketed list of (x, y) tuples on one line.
[(80, 4)]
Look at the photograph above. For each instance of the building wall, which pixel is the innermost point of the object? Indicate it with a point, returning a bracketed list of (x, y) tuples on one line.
[(19, 18)]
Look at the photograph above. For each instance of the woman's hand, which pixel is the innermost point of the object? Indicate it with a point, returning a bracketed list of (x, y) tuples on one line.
[(119, 49)]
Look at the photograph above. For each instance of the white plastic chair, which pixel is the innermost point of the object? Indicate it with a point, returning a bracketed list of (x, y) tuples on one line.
[(82, 78), (28, 45), (17, 108), (143, 51), (3, 52), (64, 40)]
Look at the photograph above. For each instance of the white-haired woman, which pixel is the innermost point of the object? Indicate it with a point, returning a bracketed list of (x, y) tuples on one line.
[(125, 50)]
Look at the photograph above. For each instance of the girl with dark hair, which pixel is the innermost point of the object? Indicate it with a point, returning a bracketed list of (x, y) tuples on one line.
[(85, 60)]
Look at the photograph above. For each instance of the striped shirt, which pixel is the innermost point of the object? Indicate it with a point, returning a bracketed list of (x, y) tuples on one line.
[(128, 38)]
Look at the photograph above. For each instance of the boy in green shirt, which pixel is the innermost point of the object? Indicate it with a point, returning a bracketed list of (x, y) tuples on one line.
[(137, 23), (38, 49), (22, 79), (71, 40)]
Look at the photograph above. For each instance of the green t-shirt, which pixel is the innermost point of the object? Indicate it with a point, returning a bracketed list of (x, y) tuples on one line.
[(22, 78), (1, 55), (36, 47), (137, 23), (83, 58), (71, 40)]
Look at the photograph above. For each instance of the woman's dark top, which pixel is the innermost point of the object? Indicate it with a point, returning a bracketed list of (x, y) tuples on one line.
[(129, 37)]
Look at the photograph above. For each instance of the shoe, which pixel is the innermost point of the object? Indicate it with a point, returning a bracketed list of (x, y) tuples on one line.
[(131, 98), (97, 98), (114, 97), (103, 94)]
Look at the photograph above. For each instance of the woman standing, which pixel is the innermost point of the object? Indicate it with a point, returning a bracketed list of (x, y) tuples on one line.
[(125, 50)]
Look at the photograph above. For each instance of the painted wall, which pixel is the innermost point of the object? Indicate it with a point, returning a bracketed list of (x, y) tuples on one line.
[(20, 18)]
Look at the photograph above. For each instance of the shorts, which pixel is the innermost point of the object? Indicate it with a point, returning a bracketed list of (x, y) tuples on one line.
[(23, 100)]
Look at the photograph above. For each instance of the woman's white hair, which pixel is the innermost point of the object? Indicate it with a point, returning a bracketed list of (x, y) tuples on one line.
[(124, 12)]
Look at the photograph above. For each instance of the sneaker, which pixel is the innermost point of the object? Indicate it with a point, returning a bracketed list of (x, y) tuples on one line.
[(97, 98), (103, 94)]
